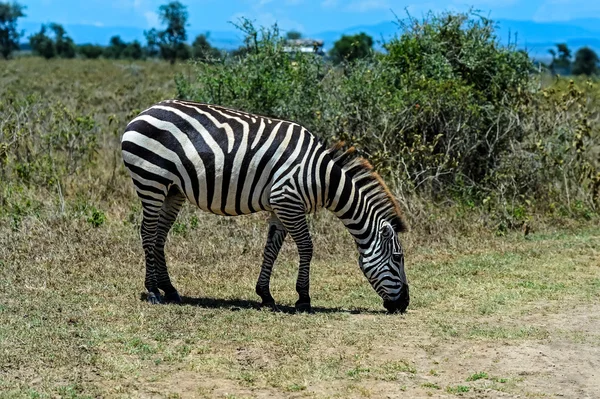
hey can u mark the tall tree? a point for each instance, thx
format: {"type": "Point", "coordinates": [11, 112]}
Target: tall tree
{"type": "Point", "coordinates": [115, 48]}
{"type": "Point", "coordinates": [65, 47]}
{"type": "Point", "coordinates": [561, 58]}
{"type": "Point", "coordinates": [9, 36]}
{"type": "Point", "coordinates": [202, 49]}
{"type": "Point", "coordinates": [41, 44]}
{"type": "Point", "coordinates": [586, 62]}
{"type": "Point", "coordinates": [350, 48]}
{"type": "Point", "coordinates": [170, 41]}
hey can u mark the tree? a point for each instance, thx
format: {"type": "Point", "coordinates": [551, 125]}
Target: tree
{"type": "Point", "coordinates": [171, 41]}
{"type": "Point", "coordinates": [133, 51]}
{"type": "Point", "coordinates": [61, 45]}
{"type": "Point", "coordinates": [65, 47]}
{"type": "Point", "coordinates": [586, 62]}
{"type": "Point", "coordinates": [351, 48]}
{"type": "Point", "coordinates": [41, 44]}
{"type": "Point", "coordinates": [293, 35]}
{"type": "Point", "coordinates": [152, 42]}
{"type": "Point", "coordinates": [9, 36]}
{"type": "Point", "coordinates": [90, 51]}
{"type": "Point", "coordinates": [115, 48]}
{"type": "Point", "coordinates": [563, 61]}
{"type": "Point", "coordinates": [203, 51]}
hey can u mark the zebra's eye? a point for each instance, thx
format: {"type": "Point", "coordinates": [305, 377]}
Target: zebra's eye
{"type": "Point", "coordinates": [397, 257]}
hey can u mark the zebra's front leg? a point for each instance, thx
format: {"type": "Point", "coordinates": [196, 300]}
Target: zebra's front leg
{"type": "Point", "coordinates": [298, 228]}
{"type": "Point", "coordinates": [275, 240]}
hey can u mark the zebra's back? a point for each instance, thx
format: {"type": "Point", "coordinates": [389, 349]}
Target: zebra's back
{"type": "Point", "coordinates": [224, 161]}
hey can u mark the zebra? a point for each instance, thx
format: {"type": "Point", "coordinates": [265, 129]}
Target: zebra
{"type": "Point", "coordinates": [228, 162]}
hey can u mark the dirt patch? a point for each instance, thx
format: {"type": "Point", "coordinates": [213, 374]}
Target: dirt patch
{"type": "Point", "coordinates": [559, 366]}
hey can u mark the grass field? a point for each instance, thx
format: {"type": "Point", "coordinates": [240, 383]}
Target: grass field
{"type": "Point", "coordinates": [490, 315]}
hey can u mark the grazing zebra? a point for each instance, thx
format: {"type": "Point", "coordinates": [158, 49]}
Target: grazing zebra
{"type": "Point", "coordinates": [233, 163]}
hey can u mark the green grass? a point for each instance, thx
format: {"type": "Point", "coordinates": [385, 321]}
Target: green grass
{"type": "Point", "coordinates": [457, 390]}
{"type": "Point", "coordinates": [478, 376]}
{"type": "Point", "coordinates": [77, 305]}
{"type": "Point", "coordinates": [75, 325]}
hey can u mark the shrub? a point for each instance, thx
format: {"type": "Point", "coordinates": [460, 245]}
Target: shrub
{"type": "Point", "coordinates": [448, 112]}
{"type": "Point", "coordinates": [90, 51]}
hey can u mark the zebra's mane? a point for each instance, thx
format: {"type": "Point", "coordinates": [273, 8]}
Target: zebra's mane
{"type": "Point", "coordinates": [360, 169]}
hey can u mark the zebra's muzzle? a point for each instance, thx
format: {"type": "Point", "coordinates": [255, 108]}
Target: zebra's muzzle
{"type": "Point", "coordinates": [401, 304]}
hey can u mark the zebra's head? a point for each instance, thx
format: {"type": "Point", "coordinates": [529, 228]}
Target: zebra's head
{"type": "Point", "coordinates": [383, 265]}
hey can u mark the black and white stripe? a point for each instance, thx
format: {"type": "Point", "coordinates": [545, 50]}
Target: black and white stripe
{"type": "Point", "coordinates": [228, 162]}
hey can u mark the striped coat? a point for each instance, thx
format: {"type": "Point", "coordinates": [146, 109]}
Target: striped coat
{"type": "Point", "coordinates": [229, 162]}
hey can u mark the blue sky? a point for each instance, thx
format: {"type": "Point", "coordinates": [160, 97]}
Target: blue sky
{"type": "Point", "coordinates": [304, 15]}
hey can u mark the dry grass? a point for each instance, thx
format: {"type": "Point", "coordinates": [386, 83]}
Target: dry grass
{"type": "Point", "coordinates": [75, 324]}
{"type": "Point", "coordinates": [520, 310]}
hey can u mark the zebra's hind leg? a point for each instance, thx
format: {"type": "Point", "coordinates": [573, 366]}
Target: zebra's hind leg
{"type": "Point", "coordinates": [295, 224]}
{"type": "Point", "coordinates": [168, 213]}
{"type": "Point", "coordinates": [275, 240]}
{"type": "Point", "coordinates": [151, 206]}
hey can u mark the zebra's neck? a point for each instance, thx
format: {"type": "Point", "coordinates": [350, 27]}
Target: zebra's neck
{"type": "Point", "coordinates": [361, 202]}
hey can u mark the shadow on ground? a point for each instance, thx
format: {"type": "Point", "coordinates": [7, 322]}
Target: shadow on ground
{"type": "Point", "coordinates": [239, 304]}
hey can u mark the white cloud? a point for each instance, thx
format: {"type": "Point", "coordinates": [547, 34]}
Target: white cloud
{"type": "Point", "coordinates": [92, 23]}
{"type": "Point", "coordinates": [369, 5]}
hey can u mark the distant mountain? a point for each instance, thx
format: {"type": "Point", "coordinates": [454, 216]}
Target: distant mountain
{"type": "Point", "coordinates": [535, 37]}
{"type": "Point", "coordinates": [538, 37]}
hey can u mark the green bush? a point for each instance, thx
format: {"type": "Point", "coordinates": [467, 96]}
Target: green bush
{"type": "Point", "coordinates": [447, 112]}
{"type": "Point", "coordinates": [43, 144]}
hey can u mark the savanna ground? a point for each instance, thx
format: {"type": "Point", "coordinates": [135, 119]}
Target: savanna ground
{"type": "Point", "coordinates": [491, 315]}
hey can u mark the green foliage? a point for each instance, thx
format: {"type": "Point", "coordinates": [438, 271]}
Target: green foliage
{"type": "Point", "coordinates": [118, 49]}
{"type": "Point", "coordinates": [59, 45]}
{"type": "Point", "coordinates": [457, 390]}
{"type": "Point", "coordinates": [352, 48]}
{"type": "Point", "coordinates": [562, 63]}
{"type": "Point", "coordinates": [171, 41]}
{"type": "Point", "coordinates": [203, 51]}
{"type": "Point", "coordinates": [42, 145]}
{"type": "Point", "coordinates": [266, 80]}
{"type": "Point", "coordinates": [65, 47]}
{"type": "Point", "coordinates": [293, 35]}
{"type": "Point", "coordinates": [115, 48]}
{"type": "Point", "coordinates": [586, 62]}
{"type": "Point", "coordinates": [447, 113]}
{"type": "Point", "coordinates": [478, 376]}
{"type": "Point", "coordinates": [9, 35]}
{"type": "Point", "coordinates": [90, 51]}
{"type": "Point", "coordinates": [42, 45]}
{"type": "Point", "coordinates": [133, 51]}
{"type": "Point", "coordinates": [97, 217]}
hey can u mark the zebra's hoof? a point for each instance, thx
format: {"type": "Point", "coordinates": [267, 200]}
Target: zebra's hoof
{"type": "Point", "coordinates": [154, 298]}
{"type": "Point", "coordinates": [172, 297]}
{"type": "Point", "coordinates": [304, 308]}
{"type": "Point", "coordinates": [271, 306]}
